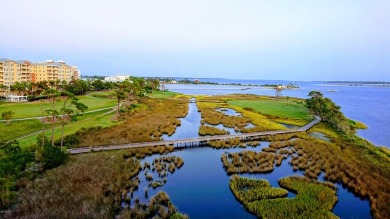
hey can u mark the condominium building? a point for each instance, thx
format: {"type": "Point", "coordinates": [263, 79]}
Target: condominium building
{"type": "Point", "coordinates": [13, 71]}
{"type": "Point", "coordinates": [118, 78]}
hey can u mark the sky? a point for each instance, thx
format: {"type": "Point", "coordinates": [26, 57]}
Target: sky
{"type": "Point", "coordinates": [246, 39]}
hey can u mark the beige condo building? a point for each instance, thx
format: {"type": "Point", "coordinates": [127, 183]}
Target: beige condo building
{"type": "Point", "coordinates": [26, 71]}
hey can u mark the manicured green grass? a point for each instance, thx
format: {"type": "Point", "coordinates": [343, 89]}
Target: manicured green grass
{"type": "Point", "coordinates": [33, 109]}
{"type": "Point", "coordinates": [160, 94]}
{"type": "Point", "coordinates": [17, 128]}
{"type": "Point", "coordinates": [103, 94]}
{"type": "Point", "coordinates": [279, 108]}
{"type": "Point", "coordinates": [88, 120]}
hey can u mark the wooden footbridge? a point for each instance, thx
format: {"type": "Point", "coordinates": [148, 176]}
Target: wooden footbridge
{"type": "Point", "coordinates": [193, 142]}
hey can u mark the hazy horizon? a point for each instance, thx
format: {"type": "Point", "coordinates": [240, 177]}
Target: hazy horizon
{"type": "Point", "coordinates": [301, 41]}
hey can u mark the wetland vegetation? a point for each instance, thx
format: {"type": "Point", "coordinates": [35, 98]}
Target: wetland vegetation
{"type": "Point", "coordinates": [94, 185]}
{"type": "Point", "coordinates": [248, 162]}
{"type": "Point", "coordinates": [313, 199]}
{"type": "Point", "coordinates": [87, 185]}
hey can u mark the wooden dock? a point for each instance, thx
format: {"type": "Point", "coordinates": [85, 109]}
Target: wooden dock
{"type": "Point", "coordinates": [194, 142]}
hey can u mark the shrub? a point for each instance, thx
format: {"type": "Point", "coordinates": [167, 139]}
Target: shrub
{"type": "Point", "coordinates": [53, 157]}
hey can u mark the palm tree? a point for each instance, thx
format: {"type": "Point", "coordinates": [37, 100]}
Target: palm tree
{"type": "Point", "coordinates": [41, 86]}
{"type": "Point", "coordinates": [24, 87]}
{"type": "Point", "coordinates": [19, 87]}
{"type": "Point", "coordinates": [30, 87]}
{"type": "Point", "coordinates": [63, 85]}
{"type": "Point", "coordinates": [52, 84]}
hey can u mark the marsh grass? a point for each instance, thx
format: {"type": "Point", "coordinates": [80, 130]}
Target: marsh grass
{"type": "Point", "coordinates": [160, 117]}
{"type": "Point", "coordinates": [87, 186]}
{"type": "Point", "coordinates": [313, 199]}
{"type": "Point", "coordinates": [248, 162]}
{"type": "Point", "coordinates": [160, 206]}
{"type": "Point", "coordinates": [211, 116]}
{"type": "Point", "coordinates": [231, 143]}
{"type": "Point", "coordinates": [361, 167]}
{"type": "Point", "coordinates": [208, 106]}
{"type": "Point", "coordinates": [249, 190]}
{"type": "Point", "coordinates": [210, 130]}
{"type": "Point", "coordinates": [349, 164]}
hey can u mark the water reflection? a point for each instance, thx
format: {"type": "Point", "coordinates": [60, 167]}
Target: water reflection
{"type": "Point", "coordinates": [320, 135]}
{"type": "Point", "coordinates": [229, 112]}
{"type": "Point", "coordinates": [201, 187]}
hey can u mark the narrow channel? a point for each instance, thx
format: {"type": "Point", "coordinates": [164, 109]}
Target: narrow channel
{"type": "Point", "coordinates": [201, 187]}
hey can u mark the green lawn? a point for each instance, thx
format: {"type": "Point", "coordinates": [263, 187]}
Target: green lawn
{"type": "Point", "coordinates": [32, 109]}
{"type": "Point", "coordinates": [88, 120]}
{"type": "Point", "coordinates": [160, 94]}
{"type": "Point", "coordinates": [17, 128]}
{"type": "Point", "coordinates": [280, 108]}
{"type": "Point", "coordinates": [102, 94]}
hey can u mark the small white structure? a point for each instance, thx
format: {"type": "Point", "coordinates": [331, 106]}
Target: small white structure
{"type": "Point", "coordinates": [14, 98]}
{"type": "Point", "coordinates": [118, 78]}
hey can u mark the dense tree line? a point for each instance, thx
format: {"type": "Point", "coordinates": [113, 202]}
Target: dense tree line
{"type": "Point", "coordinates": [77, 87]}
{"type": "Point", "coordinates": [329, 112]}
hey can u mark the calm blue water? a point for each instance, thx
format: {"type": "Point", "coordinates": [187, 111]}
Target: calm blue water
{"type": "Point", "coordinates": [200, 188]}
{"type": "Point", "coordinates": [370, 105]}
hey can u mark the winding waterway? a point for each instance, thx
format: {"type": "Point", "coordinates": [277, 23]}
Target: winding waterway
{"type": "Point", "coordinates": [370, 105]}
{"type": "Point", "coordinates": [200, 188]}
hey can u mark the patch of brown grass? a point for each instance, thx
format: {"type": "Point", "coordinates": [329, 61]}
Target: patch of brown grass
{"type": "Point", "coordinates": [210, 130]}
{"type": "Point", "coordinates": [88, 186]}
{"type": "Point", "coordinates": [160, 117]}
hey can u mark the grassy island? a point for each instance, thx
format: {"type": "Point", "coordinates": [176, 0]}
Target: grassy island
{"type": "Point", "coordinates": [313, 199]}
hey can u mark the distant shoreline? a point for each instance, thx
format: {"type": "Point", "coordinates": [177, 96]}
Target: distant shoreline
{"type": "Point", "coordinates": [355, 84]}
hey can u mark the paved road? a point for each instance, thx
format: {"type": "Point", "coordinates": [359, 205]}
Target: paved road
{"type": "Point", "coordinates": [192, 140]}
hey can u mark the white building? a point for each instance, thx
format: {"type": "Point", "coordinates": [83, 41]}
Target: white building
{"type": "Point", "coordinates": [118, 78]}
{"type": "Point", "coordinates": [15, 98]}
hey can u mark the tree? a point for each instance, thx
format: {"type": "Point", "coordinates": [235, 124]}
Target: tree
{"type": "Point", "coordinates": [329, 112]}
{"type": "Point", "coordinates": [70, 100]}
{"type": "Point", "coordinates": [132, 89]}
{"type": "Point", "coordinates": [7, 116]}
{"type": "Point", "coordinates": [43, 123]}
{"type": "Point", "coordinates": [3, 89]}
{"type": "Point", "coordinates": [42, 140]}
{"type": "Point", "coordinates": [98, 84]}
{"type": "Point", "coordinates": [52, 96]}
{"type": "Point", "coordinates": [316, 94]}
{"type": "Point", "coordinates": [153, 83]}
{"type": "Point", "coordinates": [19, 87]}
{"type": "Point", "coordinates": [120, 95]}
{"type": "Point", "coordinates": [41, 86]}
{"type": "Point", "coordinates": [77, 87]}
